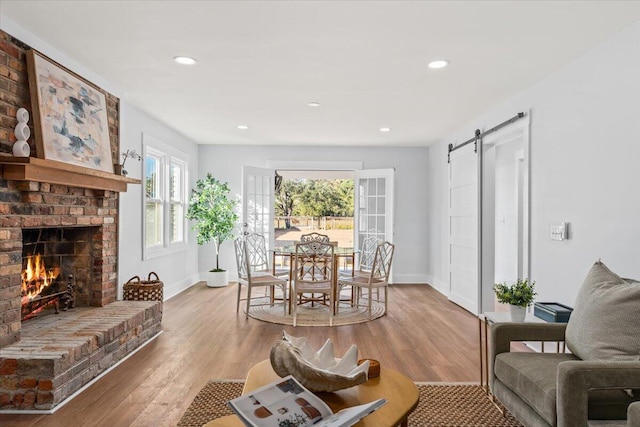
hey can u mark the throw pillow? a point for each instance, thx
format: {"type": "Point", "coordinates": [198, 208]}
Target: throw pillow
{"type": "Point", "coordinates": [604, 322]}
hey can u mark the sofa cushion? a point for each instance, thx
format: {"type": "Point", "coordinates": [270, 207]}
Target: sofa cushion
{"type": "Point", "coordinates": [532, 376]}
{"type": "Point", "coordinates": [604, 322]}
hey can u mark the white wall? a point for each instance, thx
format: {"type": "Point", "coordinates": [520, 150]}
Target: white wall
{"type": "Point", "coordinates": [410, 210]}
{"type": "Point", "coordinates": [585, 169]}
{"type": "Point", "coordinates": [437, 250]}
{"type": "Point", "coordinates": [177, 270]}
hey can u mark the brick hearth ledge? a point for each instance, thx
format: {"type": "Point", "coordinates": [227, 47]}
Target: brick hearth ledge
{"type": "Point", "coordinates": [58, 354]}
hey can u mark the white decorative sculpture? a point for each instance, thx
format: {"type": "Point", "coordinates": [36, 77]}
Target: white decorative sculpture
{"type": "Point", "coordinates": [317, 370]}
{"type": "Point", "coordinates": [22, 132]}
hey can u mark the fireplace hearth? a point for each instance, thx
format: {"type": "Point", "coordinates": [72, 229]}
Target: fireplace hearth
{"type": "Point", "coordinates": [58, 355]}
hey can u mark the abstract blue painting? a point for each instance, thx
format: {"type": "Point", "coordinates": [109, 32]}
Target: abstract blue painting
{"type": "Point", "coordinates": [71, 121]}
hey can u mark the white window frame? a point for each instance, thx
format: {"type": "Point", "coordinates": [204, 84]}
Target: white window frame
{"type": "Point", "coordinates": [183, 199]}
{"type": "Point", "coordinates": [167, 155]}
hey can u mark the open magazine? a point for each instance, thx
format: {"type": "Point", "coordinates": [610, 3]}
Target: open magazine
{"type": "Point", "coordinates": [286, 403]}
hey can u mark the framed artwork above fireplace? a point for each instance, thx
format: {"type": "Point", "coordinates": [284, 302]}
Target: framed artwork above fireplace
{"type": "Point", "coordinates": [70, 116]}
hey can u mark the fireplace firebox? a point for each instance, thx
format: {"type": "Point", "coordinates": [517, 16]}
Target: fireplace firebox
{"type": "Point", "coordinates": [57, 268]}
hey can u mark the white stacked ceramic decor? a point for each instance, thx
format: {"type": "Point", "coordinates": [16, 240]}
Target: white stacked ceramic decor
{"type": "Point", "coordinates": [22, 132]}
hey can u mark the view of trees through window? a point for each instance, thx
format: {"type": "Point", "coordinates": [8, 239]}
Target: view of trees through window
{"type": "Point", "coordinates": [321, 205]}
{"type": "Point", "coordinates": [315, 197]}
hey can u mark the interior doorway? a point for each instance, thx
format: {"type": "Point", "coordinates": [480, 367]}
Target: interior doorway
{"type": "Point", "coordinates": [505, 209]}
{"type": "Point", "coordinates": [373, 197]}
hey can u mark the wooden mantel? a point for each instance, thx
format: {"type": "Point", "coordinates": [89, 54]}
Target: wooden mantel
{"type": "Point", "coordinates": [54, 172]}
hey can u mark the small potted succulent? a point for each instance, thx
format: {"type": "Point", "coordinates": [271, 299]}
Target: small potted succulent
{"type": "Point", "coordinates": [216, 218]}
{"type": "Point", "coordinates": [519, 296]}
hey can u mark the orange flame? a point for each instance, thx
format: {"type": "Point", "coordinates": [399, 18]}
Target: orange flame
{"type": "Point", "coordinates": [36, 278]}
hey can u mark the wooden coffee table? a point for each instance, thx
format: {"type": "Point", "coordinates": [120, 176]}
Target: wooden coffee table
{"type": "Point", "coordinates": [401, 394]}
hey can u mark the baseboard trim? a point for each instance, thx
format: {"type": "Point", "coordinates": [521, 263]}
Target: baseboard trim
{"type": "Point", "coordinates": [439, 285]}
{"type": "Point", "coordinates": [408, 278]}
{"type": "Point", "coordinates": [177, 287]}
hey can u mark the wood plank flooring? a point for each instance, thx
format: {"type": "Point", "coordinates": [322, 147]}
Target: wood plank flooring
{"type": "Point", "coordinates": [424, 335]}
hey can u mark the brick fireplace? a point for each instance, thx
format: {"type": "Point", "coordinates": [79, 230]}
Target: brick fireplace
{"type": "Point", "coordinates": [46, 359]}
{"type": "Point", "coordinates": [71, 217]}
{"type": "Point", "coordinates": [30, 206]}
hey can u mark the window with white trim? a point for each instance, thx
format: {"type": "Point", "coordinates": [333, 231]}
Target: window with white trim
{"type": "Point", "coordinates": [165, 198]}
{"type": "Point", "coordinates": [177, 200]}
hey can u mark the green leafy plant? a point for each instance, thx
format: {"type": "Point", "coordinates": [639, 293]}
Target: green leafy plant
{"type": "Point", "coordinates": [520, 293]}
{"type": "Point", "coordinates": [214, 212]}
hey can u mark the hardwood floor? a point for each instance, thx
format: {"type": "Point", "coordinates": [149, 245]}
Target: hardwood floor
{"type": "Point", "coordinates": [424, 335]}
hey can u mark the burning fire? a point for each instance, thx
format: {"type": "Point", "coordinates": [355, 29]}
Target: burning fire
{"type": "Point", "coordinates": [36, 278]}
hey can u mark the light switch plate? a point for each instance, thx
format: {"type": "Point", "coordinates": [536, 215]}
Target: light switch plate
{"type": "Point", "coordinates": [559, 231]}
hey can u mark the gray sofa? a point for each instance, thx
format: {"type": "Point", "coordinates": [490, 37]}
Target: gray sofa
{"type": "Point", "coordinates": [598, 380]}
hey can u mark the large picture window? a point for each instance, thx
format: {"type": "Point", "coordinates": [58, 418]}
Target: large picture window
{"type": "Point", "coordinates": [165, 181]}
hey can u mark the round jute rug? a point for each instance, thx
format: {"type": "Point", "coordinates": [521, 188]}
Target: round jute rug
{"type": "Point", "coordinates": [318, 315]}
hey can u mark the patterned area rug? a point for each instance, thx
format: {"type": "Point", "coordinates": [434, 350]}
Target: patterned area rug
{"type": "Point", "coordinates": [318, 315]}
{"type": "Point", "coordinates": [440, 405]}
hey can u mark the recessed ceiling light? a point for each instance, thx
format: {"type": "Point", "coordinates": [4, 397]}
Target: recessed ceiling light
{"type": "Point", "coordinates": [385, 129]}
{"type": "Point", "coordinates": [184, 60]}
{"type": "Point", "coordinates": [313, 104]}
{"type": "Point", "coordinates": [243, 127]}
{"type": "Point", "coordinates": [440, 63]}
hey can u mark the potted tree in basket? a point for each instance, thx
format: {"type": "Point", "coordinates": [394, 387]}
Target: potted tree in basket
{"type": "Point", "coordinates": [519, 296]}
{"type": "Point", "coordinates": [216, 217]}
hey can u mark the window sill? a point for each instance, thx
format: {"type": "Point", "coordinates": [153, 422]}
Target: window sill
{"type": "Point", "coordinates": [157, 251]}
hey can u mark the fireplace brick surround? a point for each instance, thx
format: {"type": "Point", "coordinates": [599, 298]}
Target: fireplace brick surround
{"type": "Point", "coordinates": [45, 360]}
{"type": "Point", "coordinates": [41, 205]}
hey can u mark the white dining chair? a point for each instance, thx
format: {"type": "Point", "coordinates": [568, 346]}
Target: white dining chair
{"type": "Point", "coordinates": [377, 278]}
{"type": "Point", "coordinates": [313, 274]}
{"type": "Point", "coordinates": [259, 256]}
{"type": "Point", "coordinates": [247, 278]}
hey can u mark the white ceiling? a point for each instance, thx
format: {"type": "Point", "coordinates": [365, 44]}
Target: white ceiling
{"type": "Point", "coordinates": [365, 62]}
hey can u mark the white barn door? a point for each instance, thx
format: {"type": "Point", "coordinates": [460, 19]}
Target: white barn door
{"type": "Point", "coordinates": [464, 238]}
